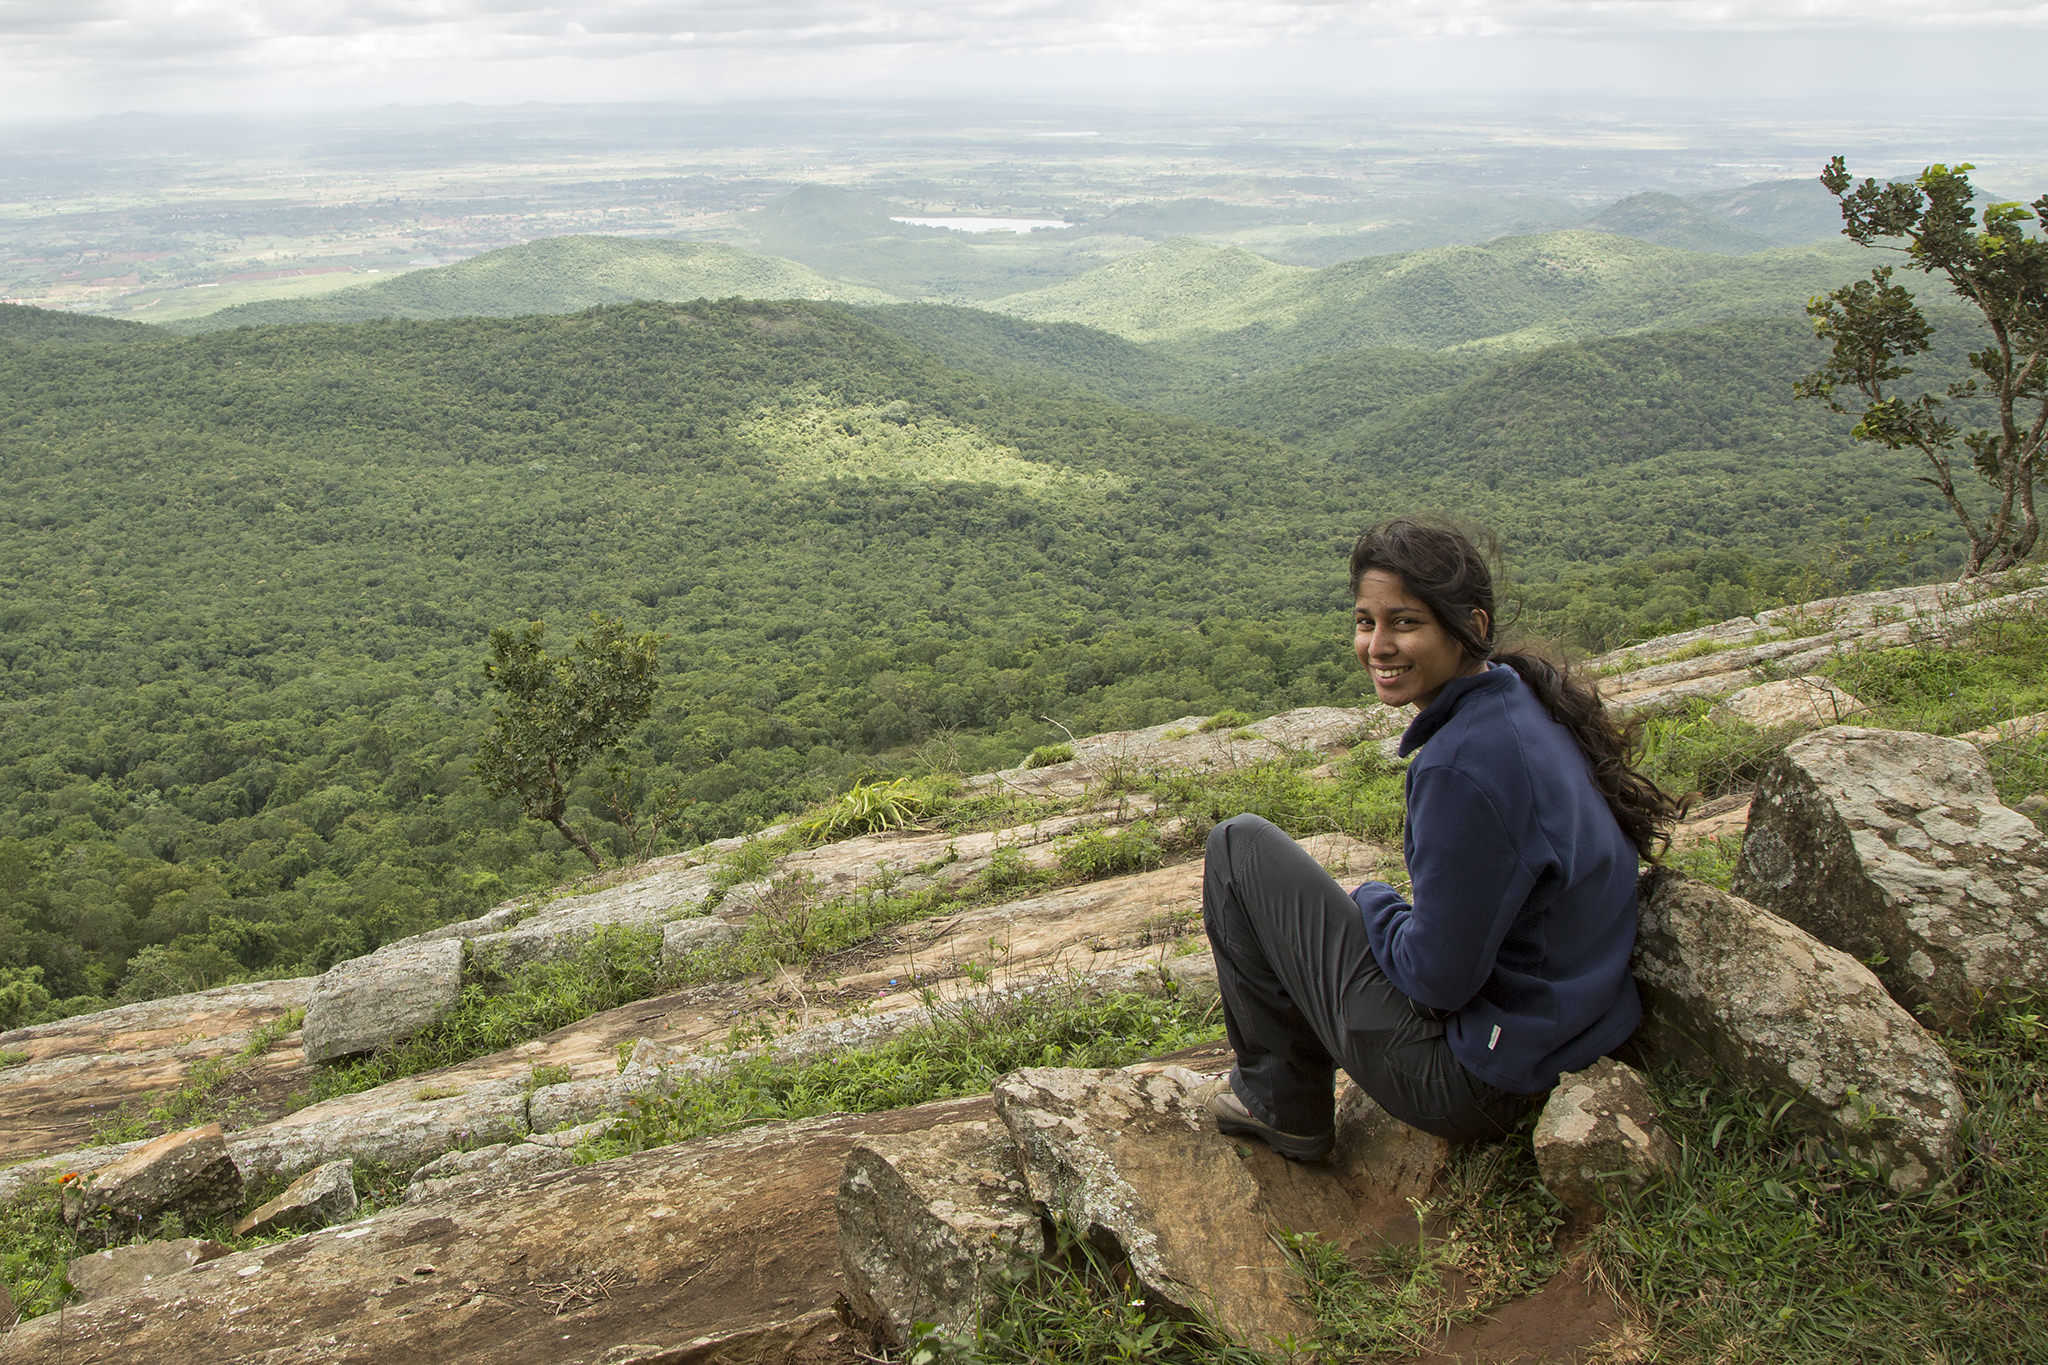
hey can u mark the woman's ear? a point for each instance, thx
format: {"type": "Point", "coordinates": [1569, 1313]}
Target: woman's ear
{"type": "Point", "coordinates": [1482, 624]}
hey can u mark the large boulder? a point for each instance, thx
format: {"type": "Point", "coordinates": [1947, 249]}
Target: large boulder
{"type": "Point", "coordinates": [1730, 986]}
{"type": "Point", "coordinates": [928, 1223]}
{"type": "Point", "coordinates": [1893, 847]}
{"type": "Point", "coordinates": [381, 998]}
{"type": "Point", "coordinates": [189, 1175]}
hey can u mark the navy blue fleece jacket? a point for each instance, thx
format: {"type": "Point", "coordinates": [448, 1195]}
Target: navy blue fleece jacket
{"type": "Point", "coordinates": [1525, 889]}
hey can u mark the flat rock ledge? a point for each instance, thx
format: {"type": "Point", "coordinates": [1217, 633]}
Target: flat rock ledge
{"type": "Point", "coordinates": [1729, 986]}
{"type": "Point", "coordinates": [1893, 847]}
{"type": "Point", "coordinates": [721, 1249]}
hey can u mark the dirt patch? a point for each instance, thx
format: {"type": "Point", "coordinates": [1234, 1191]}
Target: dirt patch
{"type": "Point", "coordinates": [1568, 1320]}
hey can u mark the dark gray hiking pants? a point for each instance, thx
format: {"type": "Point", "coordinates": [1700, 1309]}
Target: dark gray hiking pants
{"type": "Point", "coordinates": [1302, 995]}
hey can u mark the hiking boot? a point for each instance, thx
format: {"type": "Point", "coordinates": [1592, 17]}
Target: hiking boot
{"type": "Point", "coordinates": [1234, 1120]}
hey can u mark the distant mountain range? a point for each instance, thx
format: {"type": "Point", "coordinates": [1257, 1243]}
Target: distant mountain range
{"type": "Point", "coordinates": [557, 275]}
{"type": "Point", "coordinates": [1511, 268]}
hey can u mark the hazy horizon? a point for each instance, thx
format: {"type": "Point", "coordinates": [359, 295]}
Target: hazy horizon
{"type": "Point", "coordinates": [67, 59]}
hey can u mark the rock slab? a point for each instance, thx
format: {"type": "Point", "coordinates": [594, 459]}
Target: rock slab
{"type": "Point", "coordinates": [119, 1269]}
{"type": "Point", "coordinates": [1893, 847]}
{"type": "Point", "coordinates": [1803, 703]}
{"type": "Point", "coordinates": [722, 1249]}
{"type": "Point", "coordinates": [928, 1223]}
{"type": "Point", "coordinates": [326, 1194]}
{"type": "Point", "coordinates": [1730, 986]}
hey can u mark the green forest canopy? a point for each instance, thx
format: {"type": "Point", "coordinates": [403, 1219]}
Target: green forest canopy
{"type": "Point", "coordinates": [249, 575]}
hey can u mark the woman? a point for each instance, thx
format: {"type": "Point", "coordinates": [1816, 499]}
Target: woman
{"type": "Point", "coordinates": [1457, 1012]}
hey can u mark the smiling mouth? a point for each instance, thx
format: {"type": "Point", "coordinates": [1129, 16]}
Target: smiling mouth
{"type": "Point", "coordinates": [1389, 674]}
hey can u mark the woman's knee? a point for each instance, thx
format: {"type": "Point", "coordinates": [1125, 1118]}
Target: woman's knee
{"type": "Point", "coordinates": [1235, 830]}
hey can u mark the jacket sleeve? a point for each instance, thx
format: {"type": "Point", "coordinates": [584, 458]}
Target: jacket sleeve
{"type": "Point", "coordinates": [1469, 881]}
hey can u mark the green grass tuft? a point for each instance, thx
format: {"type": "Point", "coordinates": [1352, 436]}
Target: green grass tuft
{"type": "Point", "coordinates": [965, 1048]}
{"type": "Point", "coordinates": [1074, 1304]}
{"type": "Point", "coordinates": [1769, 1246]}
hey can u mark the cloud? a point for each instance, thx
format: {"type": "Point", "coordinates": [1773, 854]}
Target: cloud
{"type": "Point", "coordinates": [111, 51]}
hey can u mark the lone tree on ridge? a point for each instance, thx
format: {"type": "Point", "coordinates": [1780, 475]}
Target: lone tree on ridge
{"type": "Point", "coordinates": [558, 710]}
{"type": "Point", "coordinates": [1875, 325]}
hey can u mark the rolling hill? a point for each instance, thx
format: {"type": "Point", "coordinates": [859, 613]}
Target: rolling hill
{"type": "Point", "coordinates": [1514, 294]}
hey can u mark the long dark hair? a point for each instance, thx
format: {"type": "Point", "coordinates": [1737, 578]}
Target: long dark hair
{"type": "Point", "coordinates": [1442, 566]}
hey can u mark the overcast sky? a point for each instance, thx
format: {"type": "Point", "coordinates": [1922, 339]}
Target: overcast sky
{"type": "Point", "coordinates": [67, 57]}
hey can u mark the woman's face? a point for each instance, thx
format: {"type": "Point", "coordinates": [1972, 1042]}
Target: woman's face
{"type": "Point", "coordinates": [1402, 645]}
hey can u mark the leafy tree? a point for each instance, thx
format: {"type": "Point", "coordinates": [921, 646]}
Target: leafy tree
{"type": "Point", "coordinates": [1875, 325]}
{"type": "Point", "coordinates": [559, 710]}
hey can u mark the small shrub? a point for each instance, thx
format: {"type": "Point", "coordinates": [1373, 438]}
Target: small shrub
{"type": "Point", "coordinates": [751, 861]}
{"type": "Point", "coordinates": [1226, 720]}
{"type": "Point", "coordinates": [1007, 870]}
{"type": "Point", "coordinates": [1045, 755]}
{"type": "Point", "coordinates": [11, 1056]}
{"type": "Point", "coordinates": [1099, 853]}
{"type": "Point", "coordinates": [546, 1074]}
{"type": "Point", "coordinates": [1711, 860]}
{"type": "Point", "coordinates": [867, 808]}
{"type": "Point", "coordinates": [2019, 767]}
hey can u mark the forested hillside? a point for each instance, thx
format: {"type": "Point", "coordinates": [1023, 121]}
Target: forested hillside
{"type": "Point", "coordinates": [249, 574]}
{"type": "Point", "coordinates": [249, 577]}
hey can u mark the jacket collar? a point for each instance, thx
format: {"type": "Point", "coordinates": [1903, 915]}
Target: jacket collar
{"type": "Point", "coordinates": [1493, 678]}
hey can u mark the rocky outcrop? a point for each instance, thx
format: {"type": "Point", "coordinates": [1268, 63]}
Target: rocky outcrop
{"type": "Point", "coordinates": [720, 1249]}
{"type": "Point", "coordinates": [1598, 1131]}
{"type": "Point", "coordinates": [382, 998]}
{"type": "Point", "coordinates": [326, 1194]}
{"type": "Point", "coordinates": [929, 1224]}
{"type": "Point", "coordinates": [79, 1071]}
{"type": "Point", "coordinates": [1135, 1167]}
{"type": "Point", "coordinates": [189, 1175]}
{"type": "Point", "coordinates": [1732, 987]}
{"type": "Point", "coordinates": [412, 1123]}
{"type": "Point", "coordinates": [1893, 847]}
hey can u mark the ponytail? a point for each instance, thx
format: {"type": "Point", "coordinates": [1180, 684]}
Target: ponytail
{"type": "Point", "coordinates": [1642, 808]}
